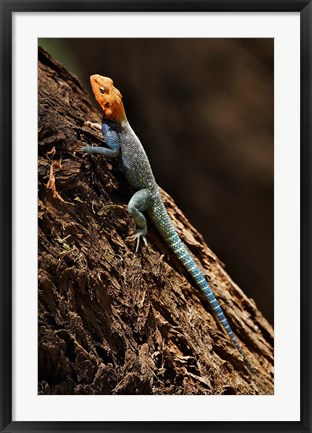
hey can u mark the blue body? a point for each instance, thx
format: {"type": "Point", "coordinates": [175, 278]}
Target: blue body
{"type": "Point", "coordinates": [121, 139]}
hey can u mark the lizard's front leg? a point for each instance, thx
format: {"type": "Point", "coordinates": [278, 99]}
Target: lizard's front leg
{"type": "Point", "coordinates": [139, 202]}
{"type": "Point", "coordinates": [112, 141]}
{"type": "Point", "coordinates": [105, 151]}
{"type": "Point", "coordinates": [94, 125]}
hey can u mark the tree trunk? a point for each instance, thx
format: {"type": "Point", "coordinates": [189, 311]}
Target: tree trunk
{"type": "Point", "coordinates": [112, 321]}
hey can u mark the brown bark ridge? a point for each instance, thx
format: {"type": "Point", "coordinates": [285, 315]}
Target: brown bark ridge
{"type": "Point", "coordinates": [112, 321]}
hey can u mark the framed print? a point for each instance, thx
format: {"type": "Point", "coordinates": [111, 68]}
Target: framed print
{"type": "Point", "coordinates": [132, 134]}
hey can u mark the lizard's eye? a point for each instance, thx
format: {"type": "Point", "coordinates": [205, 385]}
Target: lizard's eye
{"type": "Point", "coordinates": [102, 90]}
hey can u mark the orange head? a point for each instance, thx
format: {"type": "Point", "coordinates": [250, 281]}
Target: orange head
{"type": "Point", "coordinates": [108, 97]}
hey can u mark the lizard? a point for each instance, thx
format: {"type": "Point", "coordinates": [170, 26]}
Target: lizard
{"type": "Point", "coordinates": [122, 142]}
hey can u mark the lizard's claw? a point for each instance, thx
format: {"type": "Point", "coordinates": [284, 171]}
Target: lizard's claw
{"type": "Point", "coordinates": [137, 237]}
{"type": "Point", "coordinates": [93, 125]}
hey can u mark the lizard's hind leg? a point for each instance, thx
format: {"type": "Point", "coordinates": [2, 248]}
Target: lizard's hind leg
{"type": "Point", "coordinates": [139, 202]}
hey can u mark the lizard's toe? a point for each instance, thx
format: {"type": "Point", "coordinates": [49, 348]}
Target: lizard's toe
{"type": "Point", "coordinates": [137, 237]}
{"type": "Point", "coordinates": [93, 125]}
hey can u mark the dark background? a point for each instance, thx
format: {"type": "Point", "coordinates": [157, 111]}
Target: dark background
{"type": "Point", "coordinates": [204, 111]}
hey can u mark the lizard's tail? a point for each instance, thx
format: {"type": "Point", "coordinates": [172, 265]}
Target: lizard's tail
{"type": "Point", "coordinates": [164, 225]}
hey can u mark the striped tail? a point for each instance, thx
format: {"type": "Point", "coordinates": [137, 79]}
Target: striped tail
{"type": "Point", "coordinates": [164, 225]}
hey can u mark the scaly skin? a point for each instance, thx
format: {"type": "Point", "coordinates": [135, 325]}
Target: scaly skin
{"type": "Point", "coordinates": [121, 139]}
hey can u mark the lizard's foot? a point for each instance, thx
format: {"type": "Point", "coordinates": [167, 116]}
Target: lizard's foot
{"type": "Point", "coordinates": [87, 149]}
{"type": "Point", "coordinates": [94, 125]}
{"type": "Point", "coordinates": [140, 233]}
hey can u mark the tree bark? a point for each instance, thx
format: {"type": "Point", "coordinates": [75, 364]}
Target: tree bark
{"type": "Point", "coordinates": [112, 321]}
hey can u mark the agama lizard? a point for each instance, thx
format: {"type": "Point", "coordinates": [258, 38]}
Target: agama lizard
{"type": "Point", "coordinates": [122, 141]}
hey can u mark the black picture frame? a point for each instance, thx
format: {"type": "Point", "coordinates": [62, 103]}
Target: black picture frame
{"type": "Point", "coordinates": [7, 9]}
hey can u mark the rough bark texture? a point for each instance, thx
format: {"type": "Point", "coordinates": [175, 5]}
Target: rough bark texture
{"type": "Point", "coordinates": [112, 321]}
